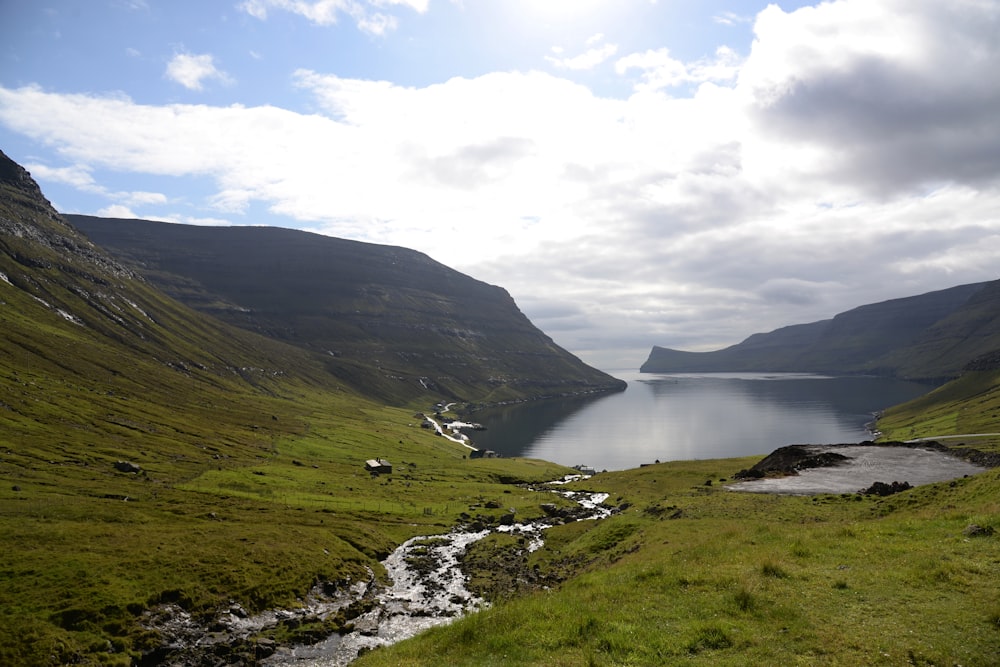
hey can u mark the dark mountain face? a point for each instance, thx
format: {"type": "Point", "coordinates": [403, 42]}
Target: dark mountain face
{"type": "Point", "coordinates": [931, 336]}
{"type": "Point", "coordinates": [421, 326]}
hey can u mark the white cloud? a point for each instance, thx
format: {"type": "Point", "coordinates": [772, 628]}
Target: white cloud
{"type": "Point", "coordinates": [365, 13]}
{"type": "Point", "coordinates": [853, 155]}
{"type": "Point", "coordinates": [76, 176]}
{"type": "Point", "coordinates": [144, 198]}
{"type": "Point", "coordinates": [191, 71]}
{"type": "Point", "coordinates": [203, 221]}
{"type": "Point", "coordinates": [896, 94]}
{"type": "Point", "coordinates": [81, 178]}
{"type": "Point", "coordinates": [589, 59]}
{"type": "Point", "coordinates": [117, 211]}
{"type": "Point", "coordinates": [731, 18]}
{"type": "Point", "coordinates": [660, 71]}
{"type": "Point", "coordinates": [135, 5]}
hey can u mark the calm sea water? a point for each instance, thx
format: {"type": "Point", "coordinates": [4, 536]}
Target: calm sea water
{"type": "Point", "coordinates": [692, 416]}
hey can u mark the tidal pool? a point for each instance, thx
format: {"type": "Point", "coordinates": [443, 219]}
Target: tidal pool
{"type": "Point", "coordinates": [865, 465]}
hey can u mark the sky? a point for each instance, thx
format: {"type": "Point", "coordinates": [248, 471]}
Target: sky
{"type": "Point", "coordinates": [633, 172]}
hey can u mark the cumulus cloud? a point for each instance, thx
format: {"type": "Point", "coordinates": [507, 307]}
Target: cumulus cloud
{"type": "Point", "coordinates": [117, 211]}
{"type": "Point", "coordinates": [896, 95]}
{"type": "Point", "coordinates": [851, 156]}
{"type": "Point", "coordinates": [191, 71]}
{"type": "Point", "coordinates": [658, 70]}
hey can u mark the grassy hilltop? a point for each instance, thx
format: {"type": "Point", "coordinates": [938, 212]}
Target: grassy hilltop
{"type": "Point", "coordinates": [246, 485]}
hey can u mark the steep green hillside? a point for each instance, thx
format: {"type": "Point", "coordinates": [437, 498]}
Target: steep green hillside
{"type": "Point", "coordinates": [969, 333]}
{"type": "Point", "coordinates": [151, 454]}
{"type": "Point", "coordinates": [245, 487]}
{"type": "Point", "coordinates": [967, 406]}
{"type": "Point", "coordinates": [930, 336]}
{"type": "Point", "coordinates": [429, 329]}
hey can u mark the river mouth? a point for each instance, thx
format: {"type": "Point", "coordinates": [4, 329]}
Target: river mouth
{"type": "Point", "coordinates": [861, 467]}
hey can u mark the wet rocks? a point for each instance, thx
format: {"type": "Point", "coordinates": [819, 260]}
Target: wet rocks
{"type": "Point", "coordinates": [337, 622]}
{"type": "Point", "coordinates": [428, 582]}
{"type": "Point", "coordinates": [234, 636]}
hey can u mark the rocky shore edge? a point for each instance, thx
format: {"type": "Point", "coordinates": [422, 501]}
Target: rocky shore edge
{"type": "Point", "coordinates": [791, 459]}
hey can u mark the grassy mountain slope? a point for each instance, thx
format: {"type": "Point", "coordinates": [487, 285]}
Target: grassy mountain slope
{"type": "Point", "coordinates": [930, 336]}
{"type": "Point", "coordinates": [251, 489]}
{"type": "Point", "coordinates": [967, 334]}
{"type": "Point", "coordinates": [969, 404]}
{"type": "Point", "coordinates": [423, 325]}
{"type": "Point", "coordinates": [249, 453]}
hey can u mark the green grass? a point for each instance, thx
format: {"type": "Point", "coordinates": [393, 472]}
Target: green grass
{"type": "Point", "coordinates": [741, 579]}
{"type": "Point", "coordinates": [251, 451]}
{"type": "Point", "coordinates": [259, 520]}
{"type": "Point", "coordinates": [252, 489]}
{"type": "Point", "coordinates": [969, 404]}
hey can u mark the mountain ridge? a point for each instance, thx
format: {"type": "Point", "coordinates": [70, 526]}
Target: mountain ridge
{"type": "Point", "coordinates": [419, 322]}
{"type": "Point", "coordinates": [929, 337]}
{"type": "Point", "coordinates": [159, 461]}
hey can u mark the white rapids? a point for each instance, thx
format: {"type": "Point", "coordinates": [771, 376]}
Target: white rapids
{"type": "Point", "coordinates": [428, 589]}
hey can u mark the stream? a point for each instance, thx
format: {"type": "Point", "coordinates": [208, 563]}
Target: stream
{"type": "Point", "coordinates": [428, 587]}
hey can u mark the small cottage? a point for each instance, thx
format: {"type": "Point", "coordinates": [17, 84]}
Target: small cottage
{"type": "Point", "coordinates": [482, 454]}
{"type": "Point", "coordinates": [378, 466]}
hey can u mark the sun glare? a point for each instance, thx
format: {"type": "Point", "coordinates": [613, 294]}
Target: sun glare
{"type": "Point", "coordinates": [561, 10]}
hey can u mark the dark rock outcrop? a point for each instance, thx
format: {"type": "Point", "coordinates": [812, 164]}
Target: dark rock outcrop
{"type": "Point", "coordinates": [127, 467]}
{"type": "Point", "coordinates": [883, 489]}
{"type": "Point", "coordinates": [789, 460]}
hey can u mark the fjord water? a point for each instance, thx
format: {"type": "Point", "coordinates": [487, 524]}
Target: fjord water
{"type": "Point", "coordinates": [692, 416]}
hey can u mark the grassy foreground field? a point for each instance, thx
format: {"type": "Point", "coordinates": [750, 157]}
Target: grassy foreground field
{"type": "Point", "coordinates": [255, 515]}
{"type": "Point", "coordinates": [688, 573]}
{"type": "Point", "coordinates": [694, 574]}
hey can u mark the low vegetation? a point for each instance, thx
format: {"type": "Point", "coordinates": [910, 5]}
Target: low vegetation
{"type": "Point", "coordinates": [968, 407]}
{"type": "Point", "coordinates": [151, 455]}
{"type": "Point", "coordinates": [695, 574]}
{"type": "Point", "coordinates": [255, 515]}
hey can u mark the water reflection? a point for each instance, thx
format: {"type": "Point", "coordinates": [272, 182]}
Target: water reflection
{"type": "Point", "coordinates": [689, 416]}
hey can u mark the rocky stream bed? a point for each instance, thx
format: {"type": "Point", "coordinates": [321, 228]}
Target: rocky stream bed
{"type": "Point", "coordinates": [338, 621]}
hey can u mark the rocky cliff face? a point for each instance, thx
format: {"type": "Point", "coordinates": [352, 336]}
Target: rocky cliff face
{"type": "Point", "coordinates": [27, 216]}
